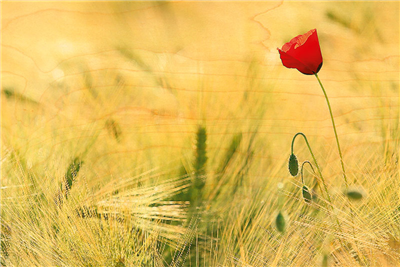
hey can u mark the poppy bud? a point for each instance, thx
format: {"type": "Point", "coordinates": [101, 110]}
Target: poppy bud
{"type": "Point", "coordinates": [280, 222]}
{"type": "Point", "coordinates": [307, 194]}
{"type": "Point", "coordinates": [293, 165]}
{"type": "Point", "coordinates": [354, 194]}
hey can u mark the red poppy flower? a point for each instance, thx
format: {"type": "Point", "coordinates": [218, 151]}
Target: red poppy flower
{"type": "Point", "coordinates": [303, 53]}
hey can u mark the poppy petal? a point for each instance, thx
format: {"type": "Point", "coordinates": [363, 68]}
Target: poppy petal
{"type": "Point", "coordinates": [293, 63]}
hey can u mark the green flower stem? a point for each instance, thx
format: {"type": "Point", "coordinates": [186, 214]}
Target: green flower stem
{"type": "Point", "coordinates": [301, 171]}
{"type": "Point", "coordinates": [320, 174]}
{"type": "Point", "coordinates": [316, 163]}
{"type": "Point", "coordinates": [334, 129]}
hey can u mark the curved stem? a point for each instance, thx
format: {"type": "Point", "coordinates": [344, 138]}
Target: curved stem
{"type": "Point", "coordinates": [319, 172]}
{"type": "Point", "coordinates": [334, 129]}
{"type": "Point", "coordinates": [301, 171]}
{"type": "Point", "coordinates": [316, 163]}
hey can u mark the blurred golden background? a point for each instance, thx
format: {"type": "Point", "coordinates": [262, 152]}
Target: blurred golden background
{"type": "Point", "coordinates": [185, 59]}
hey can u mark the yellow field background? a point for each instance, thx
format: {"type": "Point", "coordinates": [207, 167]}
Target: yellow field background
{"type": "Point", "coordinates": [122, 88]}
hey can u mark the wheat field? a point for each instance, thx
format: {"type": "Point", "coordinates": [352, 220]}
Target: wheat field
{"type": "Point", "coordinates": [154, 133]}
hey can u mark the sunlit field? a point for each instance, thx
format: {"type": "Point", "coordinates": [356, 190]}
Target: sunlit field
{"type": "Point", "coordinates": [159, 134]}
